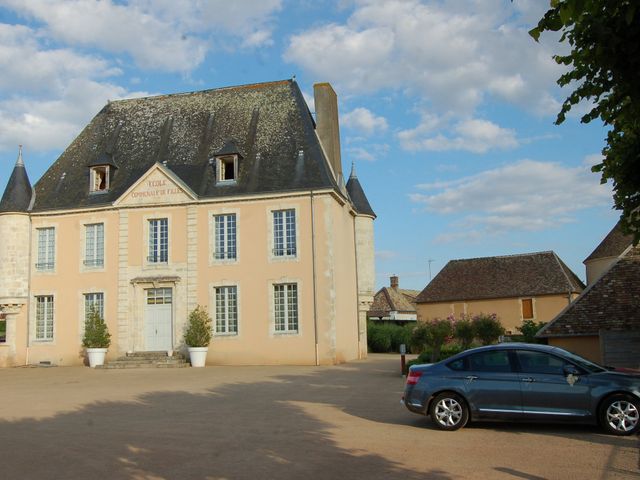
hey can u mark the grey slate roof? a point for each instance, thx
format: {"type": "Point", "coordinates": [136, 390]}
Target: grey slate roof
{"type": "Point", "coordinates": [612, 245]}
{"type": "Point", "coordinates": [18, 193]}
{"type": "Point", "coordinates": [611, 303]}
{"type": "Point", "coordinates": [356, 193]}
{"type": "Point", "coordinates": [525, 275]}
{"type": "Point", "coordinates": [270, 124]}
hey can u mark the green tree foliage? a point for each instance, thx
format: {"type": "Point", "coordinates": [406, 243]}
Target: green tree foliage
{"type": "Point", "coordinates": [96, 333]}
{"type": "Point", "coordinates": [604, 62]}
{"type": "Point", "coordinates": [198, 333]}
{"type": "Point", "coordinates": [529, 328]}
{"type": "Point", "coordinates": [487, 328]}
{"type": "Point", "coordinates": [464, 332]}
{"type": "Point", "coordinates": [431, 335]}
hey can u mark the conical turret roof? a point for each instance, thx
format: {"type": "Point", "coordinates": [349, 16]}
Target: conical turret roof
{"type": "Point", "coordinates": [17, 196]}
{"type": "Point", "coordinates": [356, 193]}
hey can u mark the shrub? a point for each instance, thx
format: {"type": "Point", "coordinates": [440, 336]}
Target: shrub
{"type": "Point", "coordinates": [96, 333]}
{"type": "Point", "coordinates": [447, 350]}
{"type": "Point", "coordinates": [528, 329]}
{"type": "Point", "coordinates": [431, 335]}
{"type": "Point", "coordinates": [464, 332]}
{"type": "Point", "coordinates": [378, 338]}
{"type": "Point", "coordinates": [198, 332]}
{"type": "Point", "coordinates": [487, 328]}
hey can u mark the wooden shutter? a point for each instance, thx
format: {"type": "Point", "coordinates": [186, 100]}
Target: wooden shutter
{"type": "Point", "coordinates": [527, 308]}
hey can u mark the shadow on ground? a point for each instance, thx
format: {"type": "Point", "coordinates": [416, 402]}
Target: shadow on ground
{"type": "Point", "coordinates": [243, 430]}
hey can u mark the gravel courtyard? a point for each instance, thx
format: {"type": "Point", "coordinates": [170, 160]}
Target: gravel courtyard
{"type": "Point", "coordinates": [271, 423]}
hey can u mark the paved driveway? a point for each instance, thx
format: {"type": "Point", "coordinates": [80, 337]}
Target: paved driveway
{"type": "Point", "coordinates": [342, 422]}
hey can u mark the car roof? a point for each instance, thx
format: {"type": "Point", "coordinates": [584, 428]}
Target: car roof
{"type": "Point", "coordinates": [512, 345]}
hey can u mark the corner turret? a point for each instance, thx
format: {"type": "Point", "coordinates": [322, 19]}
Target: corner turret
{"type": "Point", "coordinates": [18, 196]}
{"type": "Point", "coordinates": [365, 254]}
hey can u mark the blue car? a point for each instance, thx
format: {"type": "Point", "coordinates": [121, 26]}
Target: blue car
{"type": "Point", "coordinates": [520, 381]}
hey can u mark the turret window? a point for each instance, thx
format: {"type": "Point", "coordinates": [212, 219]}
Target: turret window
{"type": "Point", "coordinates": [99, 179]}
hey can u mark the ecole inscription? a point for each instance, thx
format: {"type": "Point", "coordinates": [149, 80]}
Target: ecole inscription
{"type": "Point", "coordinates": [157, 188]}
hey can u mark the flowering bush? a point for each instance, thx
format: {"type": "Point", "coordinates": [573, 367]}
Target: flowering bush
{"type": "Point", "coordinates": [431, 335]}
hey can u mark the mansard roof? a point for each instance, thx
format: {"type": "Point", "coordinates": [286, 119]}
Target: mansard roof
{"type": "Point", "coordinates": [18, 193]}
{"type": "Point", "coordinates": [268, 123]}
{"type": "Point", "coordinates": [356, 193]}
{"type": "Point", "coordinates": [524, 275]}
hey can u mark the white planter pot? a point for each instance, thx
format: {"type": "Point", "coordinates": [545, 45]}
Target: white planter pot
{"type": "Point", "coordinates": [96, 356]}
{"type": "Point", "coordinates": [198, 356]}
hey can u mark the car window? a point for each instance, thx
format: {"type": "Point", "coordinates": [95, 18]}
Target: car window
{"type": "Point", "coordinates": [458, 365]}
{"type": "Point", "coordinates": [490, 361]}
{"type": "Point", "coordinates": [540, 362]}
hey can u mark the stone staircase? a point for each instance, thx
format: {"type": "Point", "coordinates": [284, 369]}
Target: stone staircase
{"type": "Point", "coordinates": [148, 360]}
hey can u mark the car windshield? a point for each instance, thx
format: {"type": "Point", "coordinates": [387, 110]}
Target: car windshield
{"type": "Point", "coordinates": [583, 362]}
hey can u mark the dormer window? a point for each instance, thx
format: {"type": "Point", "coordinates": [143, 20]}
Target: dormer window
{"type": "Point", "coordinates": [227, 163]}
{"type": "Point", "coordinates": [99, 178]}
{"type": "Point", "coordinates": [227, 168]}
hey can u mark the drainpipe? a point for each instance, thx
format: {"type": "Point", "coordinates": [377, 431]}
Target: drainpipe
{"type": "Point", "coordinates": [313, 266]}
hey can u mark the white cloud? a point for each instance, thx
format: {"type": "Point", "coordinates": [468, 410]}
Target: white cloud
{"type": "Point", "coordinates": [53, 123]}
{"type": "Point", "coordinates": [364, 121]}
{"type": "Point", "coordinates": [26, 67]}
{"type": "Point", "coordinates": [164, 35]}
{"type": "Point", "coordinates": [527, 195]}
{"type": "Point", "coordinates": [593, 159]}
{"type": "Point", "coordinates": [453, 54]}
{"type": "Point", "coordinates": [473, 135]}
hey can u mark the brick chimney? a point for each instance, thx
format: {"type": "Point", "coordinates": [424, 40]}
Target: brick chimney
{"type": "Point", "coordinates": [327, 126]}
{"type": "Point", "coordinates": [394, 281]}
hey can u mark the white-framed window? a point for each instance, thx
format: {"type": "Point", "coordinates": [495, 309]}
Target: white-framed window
{"type": "Point", "coordinates": [225, 236]}
{"type": "Point", "coordinates": [44, 317]}
{"type": "Point", "coordinates": [285, 302]}
{"type": "Point", "coordinates": [94, 245]}
{"type": "Point", "coordinates": [226, 310]}
{"type": "Point", "coordinates": [99, 179]}
{"type": "Point", "coordinates": [284, 233]}
{"type": "Point", "coordinates": [227, 168]}
{"type": "Point", "coordinates": [94, 300]}
{"type": "Point", "coordinates": [158, 240]}
{"type": "Point", "coordinates": [46, 248]}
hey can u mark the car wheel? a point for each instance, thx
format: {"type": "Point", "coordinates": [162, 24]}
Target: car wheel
{"type": "Point", "coordinates": [449, 411]}
{"type": "Point", "coordinates": [620, 414]}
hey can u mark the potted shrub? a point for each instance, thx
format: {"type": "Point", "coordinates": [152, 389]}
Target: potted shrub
{"type": "Point", "coordinates": [96, 338]}
{"type": "Point", "coordinates": [198, 335]}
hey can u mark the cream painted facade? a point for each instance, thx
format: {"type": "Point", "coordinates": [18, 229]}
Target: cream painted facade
{"type": "Point", "coordinates": [329, 331]}
{"type": "Point", "coordinates": [508, 310]}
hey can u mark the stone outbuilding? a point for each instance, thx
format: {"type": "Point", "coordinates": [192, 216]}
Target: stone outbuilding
{"type": "Point", "coordinates": [531, 286]}
{"type": "Point", "coordinates": [394, 304]}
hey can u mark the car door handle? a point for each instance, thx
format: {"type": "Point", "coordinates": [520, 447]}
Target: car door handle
{"type": "Point", "coordinates": [527, 379]}
{"type": "Point", "coordinates": [471, 377]}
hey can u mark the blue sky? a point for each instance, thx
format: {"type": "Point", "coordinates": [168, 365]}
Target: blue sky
{"type": "Point", "coordinates": [447, 107]}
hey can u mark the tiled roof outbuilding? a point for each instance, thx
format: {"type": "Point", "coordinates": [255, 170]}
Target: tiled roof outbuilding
{"type": "Point", "coordinates": [611, 303]}
{"type": "Point", "coordinates": [525, 275]}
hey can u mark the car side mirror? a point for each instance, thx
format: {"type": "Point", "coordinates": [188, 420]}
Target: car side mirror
{"type": "Point", "coordinates": [569, 369]}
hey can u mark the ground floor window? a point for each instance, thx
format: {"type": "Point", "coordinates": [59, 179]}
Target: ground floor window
{"type": "Point", "coordinates": [226, 310]}
{"type": "Point", "coordinates": [285, 300]}
{"type": "Point", "coordinates": [44, 317]}
{"type": "Point", "coordinates": [94, 301]}
{"type": "Point", "coordinates": [3, 328]}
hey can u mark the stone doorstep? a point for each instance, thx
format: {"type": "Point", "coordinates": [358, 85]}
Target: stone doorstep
{"type": "Point", "coordinates": [147, 360]}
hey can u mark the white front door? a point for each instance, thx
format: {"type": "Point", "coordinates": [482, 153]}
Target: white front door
{"type": "Point", "coordinates": [157, 319]}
